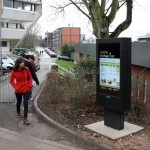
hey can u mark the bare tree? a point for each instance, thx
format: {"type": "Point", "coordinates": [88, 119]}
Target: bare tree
{"type": "Point", "coordinates": [101, 14]}
{"type": "Point", "coordinates": [31, 39]}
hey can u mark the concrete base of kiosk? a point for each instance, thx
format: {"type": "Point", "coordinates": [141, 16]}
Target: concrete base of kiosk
{"type": "Point", "coordinates": [111, 133]}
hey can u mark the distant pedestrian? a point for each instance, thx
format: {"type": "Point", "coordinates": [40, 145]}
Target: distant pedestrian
{"type": "Point", "coordinates": [21, 80]}
{"type": "Point", "coordinates": [42, 52]}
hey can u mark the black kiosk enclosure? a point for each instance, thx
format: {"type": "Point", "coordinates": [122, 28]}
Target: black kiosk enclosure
{"type": "Point", "coordinates": [113, 79]}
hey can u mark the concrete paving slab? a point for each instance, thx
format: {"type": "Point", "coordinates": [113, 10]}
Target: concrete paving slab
{"type": "Point", "coordinates": [10, 145]}
{"type": "Point", "coordinates": [40, 131]}
{"type": "Point", "coordinates": [10, 140]}
{"type": "Point", "coordinates": [111, 133]}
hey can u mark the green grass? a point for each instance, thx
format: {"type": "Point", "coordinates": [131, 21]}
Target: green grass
{"type": "Point", "coordinates": [65, 64]}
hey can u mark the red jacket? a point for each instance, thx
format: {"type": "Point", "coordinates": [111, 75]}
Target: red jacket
{"type": "Point", "coordinates": [21, 80]}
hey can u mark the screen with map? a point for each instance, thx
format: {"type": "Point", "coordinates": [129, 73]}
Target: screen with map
{"type": "Point", "coordinates": [109, 70]}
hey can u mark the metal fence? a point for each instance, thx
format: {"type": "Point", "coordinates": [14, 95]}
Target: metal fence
{"type": "Point", "coordinates": [140, 94]}
{"type": "Point", "coordinates": [6, 91]}
{"type": "Point", "coordinates": [140, 52]}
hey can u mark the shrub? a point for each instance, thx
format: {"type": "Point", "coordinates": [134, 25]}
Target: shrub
{"type": "Point", "coordinates": [55, 88]}
{"type": "Point", "coordinates": [67, 50]}
{"type": "Point", "coordinates": [79, 92]}
{"type": "Point", "coordinates": [74, 92]}
{"type": "Point", "coordinates": [86, 69]}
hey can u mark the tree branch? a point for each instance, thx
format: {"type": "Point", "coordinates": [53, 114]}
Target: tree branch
{"type": "Point", "coordinates": [125, 24]}
{"type": "Point", "coordinates": [75, 4]}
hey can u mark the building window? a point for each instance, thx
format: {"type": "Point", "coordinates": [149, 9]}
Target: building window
{"type": "Point", "coordinates": [12, 25]}
{"type": "Point", "coordinates": [27, 7]}
{"type": "Point", "coordinates": [18, 26]}
{"type": "Point", "coordinates": [4, 43]}
{"type": "Point", "coordinates": [33, 7]}
{"type": "Point", "coordinates": [8, 3]}
{"type": "Point", "coordinates": [4, 24]}
{"type": "Point", "coordinates": [17, 5]}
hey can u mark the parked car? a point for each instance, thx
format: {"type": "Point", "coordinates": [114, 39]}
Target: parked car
{"type": "Point", "coordinates": [36, 60]}
{"type": "Point", "coordinates": [6, 59]}
{"type": "Point", "coordinates": [8, 67]}
{"type": "Point", "coordinates": [65, 58]}
{"type": "Point", "coordinates": [14, 59]}
{"type": "Point", "coordinates": [46, 50]}
{"type": "Point", "coordinates": [18, 51]}
{"type": "Point", "coordinates": [53, 50]}
{"type": "Point", "coordinates": [51, 53]}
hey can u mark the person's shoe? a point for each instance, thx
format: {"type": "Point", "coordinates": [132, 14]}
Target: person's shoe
{"type": "Point", "coordinates": [19, 115]}
{"type": "Point", "coordinates": [31, 99]}
{"type": "Point", "coordinates": [25, 121]}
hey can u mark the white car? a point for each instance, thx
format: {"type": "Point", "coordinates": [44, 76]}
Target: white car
{"type": "Point", "coordinates": [6, 59]}
{"type": "Point", "coordinates": [7, 66]}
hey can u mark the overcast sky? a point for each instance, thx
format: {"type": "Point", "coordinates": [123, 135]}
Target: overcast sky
{"type": "Point", "coordinates": [140, 21]}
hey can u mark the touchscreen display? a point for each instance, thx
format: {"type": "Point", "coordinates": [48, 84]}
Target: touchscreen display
{"type": "Point", "coordinates": [109, 69]}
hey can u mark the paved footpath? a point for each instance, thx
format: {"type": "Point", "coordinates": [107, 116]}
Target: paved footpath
{"type": "Point", "coordinates": [10, 140]}
{"type": "Point", "coordinates": [14, 135]}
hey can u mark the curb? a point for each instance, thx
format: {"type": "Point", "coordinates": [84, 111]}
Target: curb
{"type": "Point", "coordinates": [63, 129]}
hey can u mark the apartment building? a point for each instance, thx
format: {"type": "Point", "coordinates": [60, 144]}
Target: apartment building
{"type": "Point", "coordinates": [61, 36]}
{"type": "Point", "coordinates": [17, 18]}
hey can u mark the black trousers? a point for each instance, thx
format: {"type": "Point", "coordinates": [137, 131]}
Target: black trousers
{"type": "Point", "coordinates": [25, 97]}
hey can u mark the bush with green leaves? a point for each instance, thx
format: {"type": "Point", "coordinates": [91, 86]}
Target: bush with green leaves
{"type": "Point", "coordinates": [86, 69]}
{"type": "Point", "coordinates": [67, 50]}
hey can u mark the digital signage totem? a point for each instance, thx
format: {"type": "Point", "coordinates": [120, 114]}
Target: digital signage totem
{"type": "Point", "coordinates": [113, 78]}
{"type": "Point", "coordinates": [113, 62]}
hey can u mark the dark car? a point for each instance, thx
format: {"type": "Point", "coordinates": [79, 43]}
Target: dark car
{"type": "Point", "coordinates": [65, 58]}
{"type": "Point", "coordinates": [51, 53]}
{"type": "Point", "coordinates": [18, 51]}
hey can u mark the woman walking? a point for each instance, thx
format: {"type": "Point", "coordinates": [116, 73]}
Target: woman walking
{"type": "Point", "coordinates": [21, 80]}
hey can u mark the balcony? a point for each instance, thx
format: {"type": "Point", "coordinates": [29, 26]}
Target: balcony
{"type": "Point", "coordinates": [20, 15]}
{"type": "Point", "coordinates": [7, 33]}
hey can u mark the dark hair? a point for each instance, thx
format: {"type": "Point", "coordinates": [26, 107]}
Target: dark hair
{"type": "Point", "coordinates": [22, 54]}
{"type": "Point", "coordinates": [18, 61]}
{"type": "Point", "coordinates": [31, 57]}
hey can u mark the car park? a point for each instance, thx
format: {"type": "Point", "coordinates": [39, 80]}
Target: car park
{"type": "Point", "coordinates": [65, 58]}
